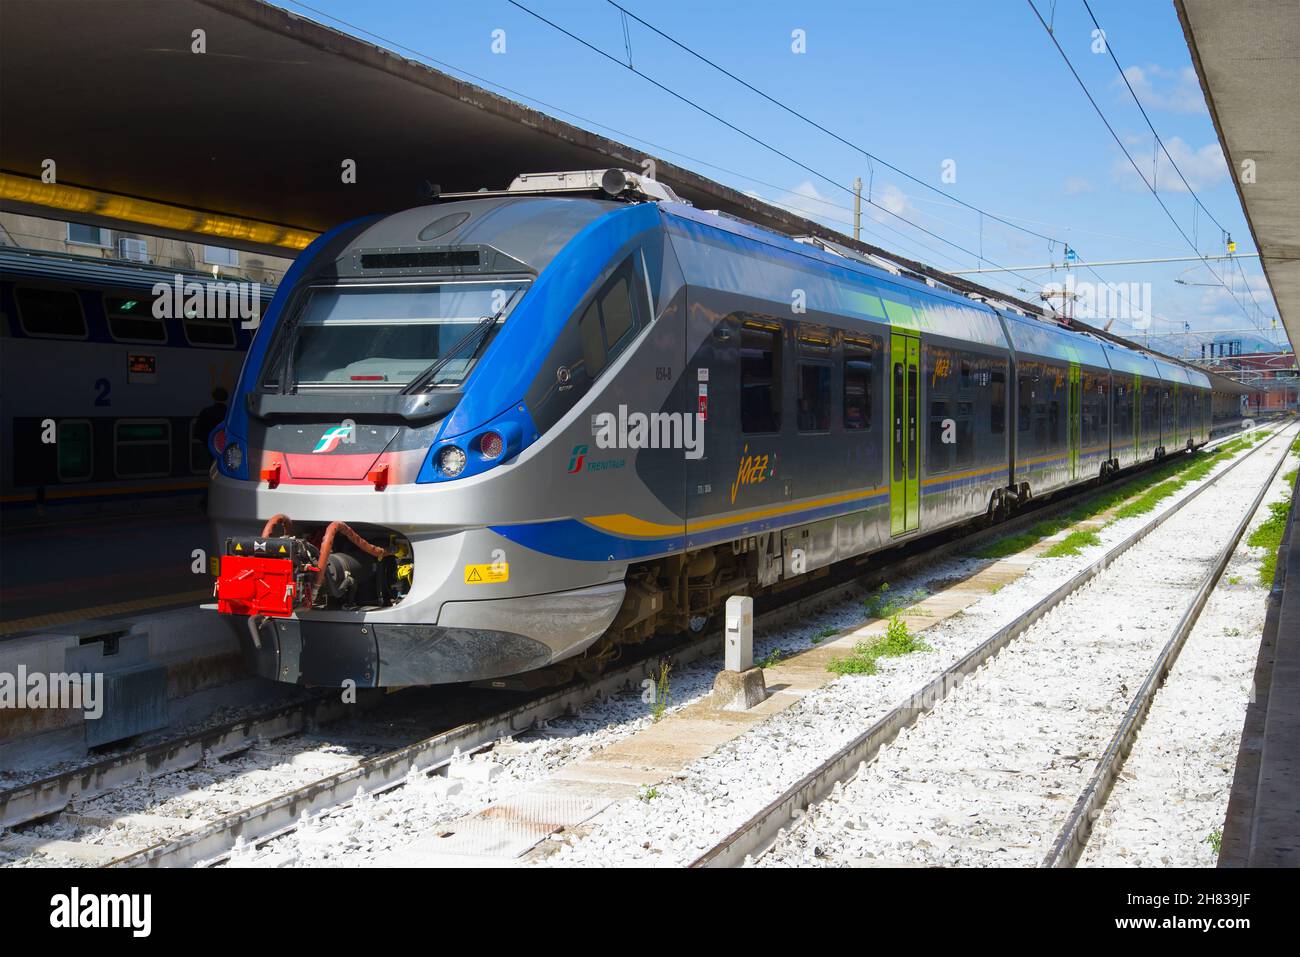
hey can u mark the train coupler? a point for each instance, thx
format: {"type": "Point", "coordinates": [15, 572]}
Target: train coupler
{"type": "Point", "coordinates": [266, 576]}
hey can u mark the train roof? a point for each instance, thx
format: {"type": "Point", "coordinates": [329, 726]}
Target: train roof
{"type": "Point", "coordinates": [511, 234]}
{"type": "Point", "coordinates": [88, 271]}
{"type": "Point", "coordinates": [835, 283]}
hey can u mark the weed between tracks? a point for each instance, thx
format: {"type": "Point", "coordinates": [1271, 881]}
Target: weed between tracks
{"type": "Point", "coordinates": [898, 640]}
{"type": "Point", "coordinates": [1137, 496]}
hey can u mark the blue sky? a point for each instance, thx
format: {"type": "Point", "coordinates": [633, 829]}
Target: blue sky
{"type": "Point", "coordinates": [917, 84]}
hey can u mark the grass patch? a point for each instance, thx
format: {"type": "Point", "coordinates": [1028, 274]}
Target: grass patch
{"type": "Point", "coordinates": [898, 640]}
{"type": "Point", "coordinates": [1268, 536]}
{"type": "Point", "coordinates": [1215, 840]}
{"type": "Point", "coordinates": [1150, 489]}
{"type": "Point", "coordinates": [773, 657]}
{"type": "Point", "coordinates": [663, 693]}
{"type": "Point", "coordinates": [648, 794]}
{"type": "Point", "coordinates": [822, 635]}
{"type": "Point", "coordinates": [1073, 544]}
{"type": "Point", "coordinates": [883, 604]}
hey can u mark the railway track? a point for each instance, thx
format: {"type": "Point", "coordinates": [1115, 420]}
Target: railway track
{"type": "Point", "coordinates": [210, 841]}
{"type": "Point", "coordinates": [941, 791]}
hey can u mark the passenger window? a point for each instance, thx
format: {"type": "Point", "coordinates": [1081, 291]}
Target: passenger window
{"type": "Point", "coordinates": [51, 312]}
{"type": "Point", "coordinates": [760, 379]}
{"type": "Point", "coordinates": [998, 403]}
{"type": "Point", "coordinates": [1025, 398]}
{"type": "Point", "coordinates": [131, 319]}
{"type": "Point", "coordinates": [142, 448]}
{"type": "Point", "coordinates": [937, 454]}
{"type": "Point", "coordinates": [76, 451]}
{"type": "Point", "coordinates": [215, 332]}
{"type": "Point", "coordinates": [857, 385]}
{"type": "Point", "coordinates": [814, 398]}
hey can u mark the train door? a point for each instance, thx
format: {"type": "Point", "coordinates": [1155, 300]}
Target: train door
{"type": "Point", "coordinates": [1178, 416]}
{"type": "Point", "coordinates": [904, 405]}
{"type": "Point", "coordinates": [1137, 417]}
{"type": "Point", "coordinates": [1074, 416]}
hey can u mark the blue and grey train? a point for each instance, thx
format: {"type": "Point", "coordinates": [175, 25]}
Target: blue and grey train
{"type": "Point", "coordinates": [520, 429]}
{"type": "Point", "coordinates": [104, 396]}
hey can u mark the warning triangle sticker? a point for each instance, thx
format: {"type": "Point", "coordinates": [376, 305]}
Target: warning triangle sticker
{"type": "Point", "coordinates": [473, 576]}
{"type": "Point", "coordinates": [281, 549]}
{"type": "Point", "coordinates": [238, 547]}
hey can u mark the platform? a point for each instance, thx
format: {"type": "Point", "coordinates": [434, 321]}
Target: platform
{"type": "Point", "coordinates": [1262, 828]}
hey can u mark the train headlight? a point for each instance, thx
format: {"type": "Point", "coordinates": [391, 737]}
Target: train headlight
{"type": "Point", "coordinates": [233, 457]}
{"type": "Point", "coordinates": [491, 445]}
{"type": "Point", "coordinates": [451, 460]}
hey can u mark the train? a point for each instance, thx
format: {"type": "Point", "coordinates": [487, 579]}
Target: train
{"type": "Point", "coordinates": [107, 404]}
{"type": "Point", "coordinates": [519, 430]}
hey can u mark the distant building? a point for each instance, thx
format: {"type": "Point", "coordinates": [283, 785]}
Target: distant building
{"type": "Point", "coordinates": [78, 239]}
{"type": "Point", "coordinates": [1273, 377]}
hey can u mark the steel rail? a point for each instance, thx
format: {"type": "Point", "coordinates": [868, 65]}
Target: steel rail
{"type": "Point", "coordinates": [758, 833]}
{"type": "Point", "coordinates": [1073, 836]}
{"type": "Point", "coordinates": [55, 793]}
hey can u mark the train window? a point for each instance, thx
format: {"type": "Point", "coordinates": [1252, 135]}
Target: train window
{"type": "Point", "coordinates": [814, 340]}
{"type": "Point", "coordinates": [616, 311]}
{"type": "Point", "coordinates": [54, 313]}
{"type": "Point", "coordinates": [593, 346]}
{"type": "Point", "coordinates": [218, 333]}
{"type": "Point", "coordinates": [76, 444]}
{"type": "Point", "coordinates": [131, 319]}
{"type": "Point", "coordinates": [964, 452]}
{"type": "Point", "coordinates": [1025, 397]}
{"type": "Point", "coordinates": [998, 403]}
{"type": "Point", "coordinates": [857, 384]}
{"type": "Point", "coordinates": [142, 448]}
{"type": "Point", "coordinates": [967, 379]}
{"type": "Point", "coordinates": [760, 379]}
{"type": "Point", "coordinates": [814, 398]}
{"type": "Point", "coordinates": [937, 455]}
{"type": "Point", "coordinates": [613, 310]}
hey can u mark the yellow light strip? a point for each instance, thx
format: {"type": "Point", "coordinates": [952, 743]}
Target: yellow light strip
{"type": "Point", "coordinates": [75, 199]}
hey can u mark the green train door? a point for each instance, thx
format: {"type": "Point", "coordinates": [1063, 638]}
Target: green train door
{"type": "Point", "coordinates": [904, 402]}
{"type": "Point", "coordinates": [1074, 416]}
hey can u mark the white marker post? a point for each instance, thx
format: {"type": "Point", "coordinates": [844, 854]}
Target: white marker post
{"type": "Point", "coordinates": [740, 633]}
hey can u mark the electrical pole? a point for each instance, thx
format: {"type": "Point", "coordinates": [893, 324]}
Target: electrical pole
{"type": "Point", "coordinates": [857, 208]}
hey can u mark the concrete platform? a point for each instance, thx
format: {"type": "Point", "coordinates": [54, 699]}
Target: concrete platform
{"type": "Point", "coordinates": [1262, 828]}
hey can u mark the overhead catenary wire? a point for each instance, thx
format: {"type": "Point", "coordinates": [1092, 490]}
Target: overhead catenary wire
{"type": "Point", "coordinates": [745, 133]}
{"type": "Point", "coordinates": [1154, 192]}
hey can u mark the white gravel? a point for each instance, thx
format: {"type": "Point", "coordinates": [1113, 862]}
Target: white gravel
{"type": "Point", "coordinates": [712, 796]}
{"type": "Point", "coordinates": [1173, 793]}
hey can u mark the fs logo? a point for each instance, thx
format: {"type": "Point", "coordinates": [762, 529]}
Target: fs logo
{"type": "Point", "coordinates": [579, 456]}
{"type": "Point", "coordinates": [331, 439]}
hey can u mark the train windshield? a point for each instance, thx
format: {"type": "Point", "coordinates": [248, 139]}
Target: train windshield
{"type": "Point", "coordinates": [391, 336]}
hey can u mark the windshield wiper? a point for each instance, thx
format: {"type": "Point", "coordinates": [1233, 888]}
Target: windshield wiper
{"type": "Point", "coordinates": [474, 336]}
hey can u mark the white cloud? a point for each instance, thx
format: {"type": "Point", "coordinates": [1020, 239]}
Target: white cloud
{"type": "Point", "coordinates": [1176, 91]}
{"type": "Point", "coordinates": [1203, 167]}
{"type": "Point", "coordinates": [1077, 184]}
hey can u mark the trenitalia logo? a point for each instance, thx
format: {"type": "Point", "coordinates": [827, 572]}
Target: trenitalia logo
{"type": "Point", "coordinates": [579, 456]}
{"type": "Point", "coordinates": [331, 439]}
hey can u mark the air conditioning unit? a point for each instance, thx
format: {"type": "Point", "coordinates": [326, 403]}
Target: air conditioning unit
{"type": "Point", "coordinates": [133, 250]}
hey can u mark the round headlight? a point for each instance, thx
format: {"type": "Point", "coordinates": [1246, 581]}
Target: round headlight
{"type": "Point", "coordinates": [233, 456]}
{"type": "Point", "coordinates": [491, 445]}
{"type": "Point", "coordinates": [451, 460]}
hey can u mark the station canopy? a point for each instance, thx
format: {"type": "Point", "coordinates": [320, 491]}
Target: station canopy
{"type": "Point", "coordinates": [243, 145]}
{"type": "Point", "coordinates": [1247, 55]}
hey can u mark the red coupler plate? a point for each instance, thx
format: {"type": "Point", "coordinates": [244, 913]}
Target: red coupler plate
{"type": "Point", "coordinates": [256, 586]}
